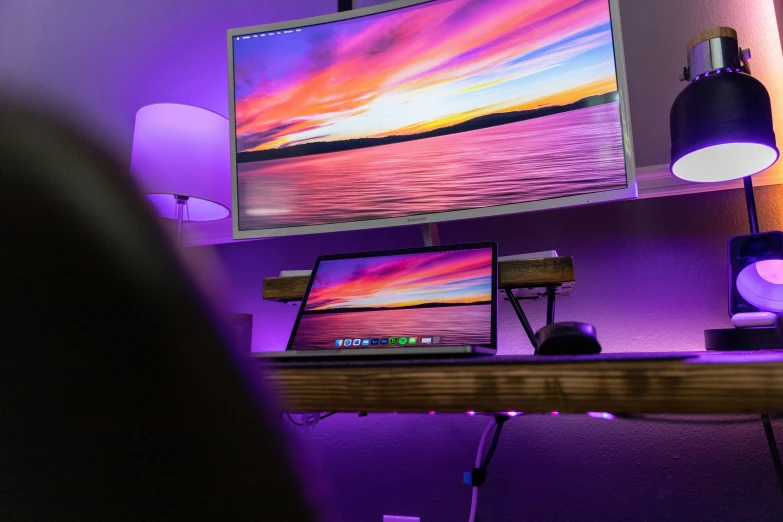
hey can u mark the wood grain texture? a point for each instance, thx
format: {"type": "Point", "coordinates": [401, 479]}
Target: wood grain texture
{"type": "Point", "coordinates": [529, 274]}
{"type": "Point", "coordinates": [535, 272]}
{"type": "Point", "coordinates": [285, 288]}
{"type": "Point", "coordinates": [709, 34]}
{"type": "Point", "coordinates": [652, 386]}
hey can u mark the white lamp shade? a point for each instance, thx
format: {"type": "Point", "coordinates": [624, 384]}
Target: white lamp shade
{"type": "Point", "coordinates": [183, 150]}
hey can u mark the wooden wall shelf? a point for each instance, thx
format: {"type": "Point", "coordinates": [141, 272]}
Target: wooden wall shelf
{"type": "Point", "coordinates": [508, 383]}
{"type": "Point", "coordinates": [529, 278]}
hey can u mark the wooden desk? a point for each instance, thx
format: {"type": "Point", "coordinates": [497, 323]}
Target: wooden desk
{"type": "Point", "coordinates": [662, 383]}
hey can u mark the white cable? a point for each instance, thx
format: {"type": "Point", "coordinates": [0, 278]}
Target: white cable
{"type": "Point", "coordinates": [479, 457]}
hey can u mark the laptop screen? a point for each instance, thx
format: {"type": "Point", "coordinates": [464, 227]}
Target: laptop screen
{"type": "Point", "coordinates": [432, 298]}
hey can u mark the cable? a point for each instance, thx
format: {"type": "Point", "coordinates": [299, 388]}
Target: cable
{"type": "Point", "coordinates": [492, 447]}
{"type": "Point", "coordinates": [479, 460]}
{"type": "Point", "coordinates": [322, 417]}
{"type": "Point", "coordinates": [482, 462]}
{"type": "Point", "coordinates": [293, 421]}
{"type": "Point", "coordinates": [773, 449]}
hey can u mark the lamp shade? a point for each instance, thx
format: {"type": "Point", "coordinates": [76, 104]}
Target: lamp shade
{"type": "Point", "coordinates": [181, 150]}
{"type": "Point", "coordinates": [721, 128]}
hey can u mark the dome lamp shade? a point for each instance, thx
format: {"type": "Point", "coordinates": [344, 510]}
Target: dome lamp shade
{"type": "Point", "coordinates": [721, 123]}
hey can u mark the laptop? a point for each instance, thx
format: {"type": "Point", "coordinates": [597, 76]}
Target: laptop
{"type": "Point", "coordinates": [422, 301]}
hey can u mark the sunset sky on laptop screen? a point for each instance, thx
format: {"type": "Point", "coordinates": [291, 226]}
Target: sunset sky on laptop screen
{"type": "Point", "coordinates": [416, 70]}
{"type": "Point", "coordinates": [457, 277]}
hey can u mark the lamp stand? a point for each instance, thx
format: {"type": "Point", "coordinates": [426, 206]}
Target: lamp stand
{"type": "Point", "coordinates": [345, 5]}
{"type": "Point", "coordinates": [430, 234]}
{"type": "Point", "coordinates": [179, 213]}
{"type": "Point", "coordinates": [750, 199]}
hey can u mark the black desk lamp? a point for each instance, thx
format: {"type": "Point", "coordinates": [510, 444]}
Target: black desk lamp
{"type": "Point", "coordinates": [721, 129]}
{"type": "Point", "coordinates": [721, 124]}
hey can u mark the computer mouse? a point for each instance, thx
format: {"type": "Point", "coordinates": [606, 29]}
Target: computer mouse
{"type": "Point", "coordinates": [567, 339]}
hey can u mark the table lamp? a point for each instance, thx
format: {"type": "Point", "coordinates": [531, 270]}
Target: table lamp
{"type": "Point", "coordinates": [721, 130]}
{"type": "Point", "coordinates": [181, 157]}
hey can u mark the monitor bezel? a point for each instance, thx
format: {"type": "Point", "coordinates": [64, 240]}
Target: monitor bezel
{"type": "Point", "coordinates": [628, 192]}
{"type": "Point", "coordinates": [401, 252]}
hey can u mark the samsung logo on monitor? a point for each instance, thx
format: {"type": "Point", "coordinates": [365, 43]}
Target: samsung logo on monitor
{"type": "Point", "coordinates": [414, 219]}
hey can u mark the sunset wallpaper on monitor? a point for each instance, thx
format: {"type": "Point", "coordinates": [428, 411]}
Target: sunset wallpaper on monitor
{"type": "Point", "coordinates": [354, 120]}
{"type": "Point", "coordinates": [447, 295]}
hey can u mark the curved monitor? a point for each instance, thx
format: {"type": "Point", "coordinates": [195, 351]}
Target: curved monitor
{"type": "Point", "coordinates": [426, 111]}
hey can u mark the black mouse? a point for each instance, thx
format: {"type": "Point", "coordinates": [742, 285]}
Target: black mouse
{"type": "Point", "coordinates": [567, 339]}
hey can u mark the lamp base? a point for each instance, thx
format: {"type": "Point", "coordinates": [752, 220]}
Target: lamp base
{"type": "Point", "coordinates": [742, 339]}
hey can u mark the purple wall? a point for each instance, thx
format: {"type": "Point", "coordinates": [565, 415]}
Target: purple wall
{"type": "Point", "coordinates": [102, 60]}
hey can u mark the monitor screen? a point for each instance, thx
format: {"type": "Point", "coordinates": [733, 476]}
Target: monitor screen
{"type": "Point", "coordinates": [441, 298]}
{"type": "Point", "coordinates": [439, 110]}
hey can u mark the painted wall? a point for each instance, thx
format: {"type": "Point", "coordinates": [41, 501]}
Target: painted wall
{"type": "Point", "coordinates": [650, 275]}
{"type": "Point", "coordinates": [102, 60]}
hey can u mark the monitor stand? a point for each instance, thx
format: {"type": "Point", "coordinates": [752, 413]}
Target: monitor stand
{"type": "Point", "coordinates": [430, 234]}
{"type": "Point", "coordinates": [345, 5]}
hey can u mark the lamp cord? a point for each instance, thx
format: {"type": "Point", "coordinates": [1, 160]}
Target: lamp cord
{"type": "Point", "coordinates": [479, 460]}
{"type": "Point", "coordinates": [750, 200]}
{"type": "Point", "coordinates": [773, 450]}
{"type": "Point", "coordinates": [322, 417]}
{"type": "Point", "coordinates": [482, 461]}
